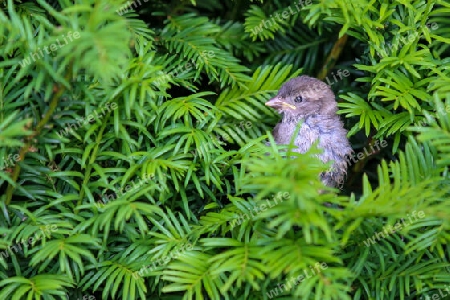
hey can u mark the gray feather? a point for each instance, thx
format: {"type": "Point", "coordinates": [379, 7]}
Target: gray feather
{"type": "Point", "coordinates": [317, 112]}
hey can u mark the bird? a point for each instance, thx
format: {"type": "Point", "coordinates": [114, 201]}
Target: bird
{"type": "Point", "coordinates": [312, 102]}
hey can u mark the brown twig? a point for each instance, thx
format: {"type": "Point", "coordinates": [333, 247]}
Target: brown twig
{"type": "Point", "coordinates": [58, 90]}
{"type": "Point", "coordinates": [333, 57]}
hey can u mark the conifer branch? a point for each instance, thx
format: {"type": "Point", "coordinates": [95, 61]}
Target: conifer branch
{"type": "Point", "coordinates": [58, 91]}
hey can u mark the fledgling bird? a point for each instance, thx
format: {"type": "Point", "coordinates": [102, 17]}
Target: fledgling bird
{"type": "Point", "coordinates": [312, 102]}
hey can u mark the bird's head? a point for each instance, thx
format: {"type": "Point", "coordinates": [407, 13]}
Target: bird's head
{"type": "Point", "coordinates": [303, 96]}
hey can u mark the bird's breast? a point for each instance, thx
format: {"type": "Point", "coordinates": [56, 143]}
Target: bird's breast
{"type": "Point", "coordinates": [283, 133]}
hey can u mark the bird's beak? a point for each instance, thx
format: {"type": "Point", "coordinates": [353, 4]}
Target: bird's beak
{"type": "Point", "coordinates": [277, 103]}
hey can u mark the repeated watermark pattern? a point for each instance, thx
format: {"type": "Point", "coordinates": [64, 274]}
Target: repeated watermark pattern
{"type": "Point", "coordinates": [329, 80]}
{"type": "Point", "coordinates": [260, 208]}
{"type": "Point", "coordinates": [285, 14]}
{"type": "Point", "coordinates": [339, 73]}
{"type": "Point", "coordinates": [73, 127]}
{"type": "Point", "coordinates": [124, 8]}
{"type": "Point", "coordinates": [181, 69]}
{"type": "Point", "coordinates": [354, 158]}
{"type": "Point", "coordinates": [411, 37]}
{"type": "Point", "coordinates": [439, 295]}
{"type": "Point", "coordinates": [361, 155]}
{"type": "Point", "coordinates": [30, 241]}
{"type": "Point", "coordinates": [53, 47]}
{"type": "Point", "coordinates": [398, 226]}
{"type": "Point", "coordinates": [163, 261]}
{"type": "Point", "coordinates": [225, 137]}
{"type": "Point", "coordinates": [296, 280]}
{"type": "Point", "coordinates": [128, 189]}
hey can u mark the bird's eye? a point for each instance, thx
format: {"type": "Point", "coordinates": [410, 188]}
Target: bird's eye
{"type": "Point", "coordinates": [298, 99]}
